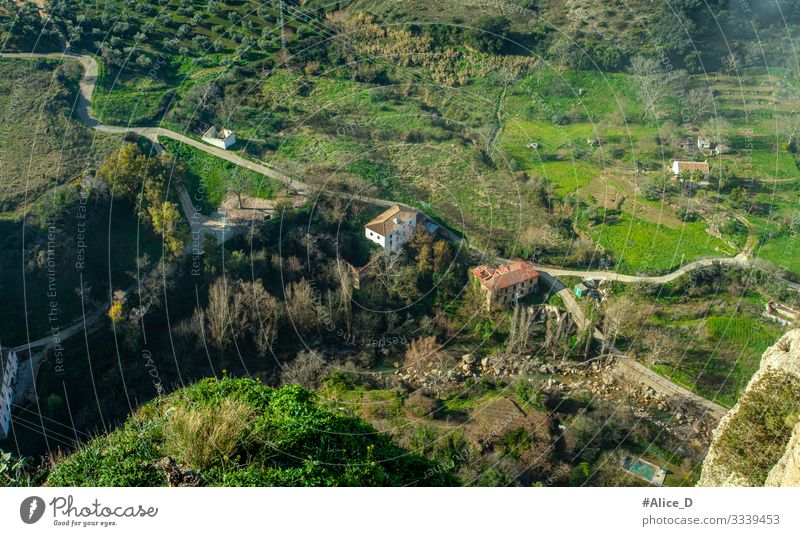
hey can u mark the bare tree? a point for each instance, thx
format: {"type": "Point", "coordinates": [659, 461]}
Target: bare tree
{"type": "Point", "coordinates": [153, 284]}
{"type": "Point", "coordinates": [217, 311]}
{"type": "Point", "coordinates": [557, 330]}
{"type": "Point", "coordinates": [422, 352]}
{"type": "Point", "coordinates": [258, 314]}
{"type": "Point", "coordinates": [699, 103]}
{"type": "Point", "coordinates": [655, 84]}
{"type": "Point", "coordinates": [306, 369]}
{"type": "Point", "coordinates": [621, 315]}
{"type": "Point", "coordinates": [395, 278]}
{"type": "Point", "coordinates": [300, 306]}
{"type": "Point", "coordinates": [521, 329]}
{"type": "Point", "coordinates": [345, 278]}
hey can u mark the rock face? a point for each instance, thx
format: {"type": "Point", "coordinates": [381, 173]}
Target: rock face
{"type": "Point", "coordinates": [758, 442]}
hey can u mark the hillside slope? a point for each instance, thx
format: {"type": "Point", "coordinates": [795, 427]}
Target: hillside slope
{"type": "Point", "coordinates": [758, 442]}
{"type": "Point", "coordinates": [238, 432]}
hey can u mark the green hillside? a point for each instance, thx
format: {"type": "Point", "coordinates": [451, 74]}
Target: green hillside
{"type": "Point", "coordinates": [237, 432]}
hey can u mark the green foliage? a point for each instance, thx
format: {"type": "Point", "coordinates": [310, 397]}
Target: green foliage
{"type": "Point", "coordinates": [529, 396]}
{"type": "Point", "coordinates": [685, 214]}
{"type": "Point", "coordinates": [14, 471]}
{"type": "Point", "coordinates": [740, 330]}
{"type": "Point", "coordinates": [579, 474]}
{"type": "Point", "coordinates": [489, 34]}
{"type": "Point", "coordinates": [515, 442]}
{"type": "Point", "coordinates": [283, 437]}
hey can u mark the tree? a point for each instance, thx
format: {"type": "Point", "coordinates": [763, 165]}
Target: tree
{"type": "Point", "coordinates": [738, 197]}
{"type": "Point", "coordinates": [655, 84]}
{"type": "Point", "coordinates": [441, 256]}
{"type": "Point", "coordinates": [306, 369]}
{"type": "Point", "coordinates": [300, 306]}
{"type": "Point", "coordinates": [211, 262]}
{"type": "Point", "coordinates": [489, 34]}
{"type": "Point", "coordinates": [731, 63]}
{"type": "Point", "coordinates": [424, 256]}
{"type": "Point", "coordinates": [124, 170]}
{"type": "Point", "coordinates": [167, 223]}
{"type": "Point", "coordinates": [521, 330]}
{"type": "Point", "coordinates": [658, 187]}
{"type": "Point", "coordinates": [217, 312]}
{"type": "Point", "coordinates": [566, 53]}
{"type": "Point", "coordinates": [700, 104]}
{"type": "Point", "coordinates": [623, 314]}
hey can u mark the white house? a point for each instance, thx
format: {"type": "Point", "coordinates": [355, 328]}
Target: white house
{"type": "Point", "coordinates": [222, 138]}
{"type": "Point", "coordinates": [8, 378]}
{"type": "Point", "coordinates": [392, 228]}
{"type": "Point", "coordinates": [678, 166]}
{"type": "Point", "coordinates": [704, 143]}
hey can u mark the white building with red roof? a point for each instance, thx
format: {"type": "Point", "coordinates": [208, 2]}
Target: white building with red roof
{"type": "Point", "coordinates": [680, 165]}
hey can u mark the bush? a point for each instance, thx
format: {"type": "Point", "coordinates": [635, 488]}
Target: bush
{"type": "Point", "coordinates": [201, 436]}
{"type": "Point", "coordinates": [684, 214]}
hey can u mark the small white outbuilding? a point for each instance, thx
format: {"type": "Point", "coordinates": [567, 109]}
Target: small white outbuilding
{"type": "Point", "coordinates": [222, 138]}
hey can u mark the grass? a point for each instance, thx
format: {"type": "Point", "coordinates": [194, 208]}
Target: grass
{"type": "Point", "coordinates": [720, 361]}
{"type": "Point", "coordinates": [741, 331]}
{"type": "Point", "coordinates": [42, 146]}
{"type": "Point", "coordinates": [210, 178]}
{"type": "Point", "coordinates": [784, 252]}
{"type": "Point", "coordinates": [640, 246]}
{"type": "Point", "coordinates": [768, 165]}
{"type": "Point", "coordinates": [135, 101]}
{"type": "Point", "coordinates": [200, 435]}
{"type": "Point", "coordinates": [289, 439]}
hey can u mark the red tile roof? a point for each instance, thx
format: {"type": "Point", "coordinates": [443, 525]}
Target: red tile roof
{"type": "Point", "coordinates": [504, 276]}
{"type": "Point", "coordinates": [691, 166]}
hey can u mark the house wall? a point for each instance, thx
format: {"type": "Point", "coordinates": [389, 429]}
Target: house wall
{"type": "Point", "coordinates": [401, 235]}
{"type": "Point", "coordinates": [222, 144]}
{"type": "Point", "coordinates": [396, 238]}
{"type": "Point", "coordinates": [375, 237]}
{"type": "Point", "coordinates": [7, 392]}
{"type": "Point", "coordinates": [508, 295]}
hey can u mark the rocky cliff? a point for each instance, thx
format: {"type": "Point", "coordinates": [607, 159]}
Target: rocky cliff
{"type": "Point", "coordinates": [758, 442]}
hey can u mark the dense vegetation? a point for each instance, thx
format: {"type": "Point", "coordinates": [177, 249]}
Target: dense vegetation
{"type": "Point", "coordinates": [534, 129]}
{"type": "Point", "coordinates": [231, 432]}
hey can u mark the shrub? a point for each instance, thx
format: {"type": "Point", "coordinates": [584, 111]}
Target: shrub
{"type": "Point", "coordinates": [201, 436]}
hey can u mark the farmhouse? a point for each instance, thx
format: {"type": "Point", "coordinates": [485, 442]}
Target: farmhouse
{"type": "Point", "coordinates": [392, 228]}
{"type": "Point", "coordinates": [8, 377]}
{"type": "Point", "coordinates": [505, 284]}
{"type": "Point", "coordinates": [222, 138]}
{"type": "Point", "coordinates": [678, 166]}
